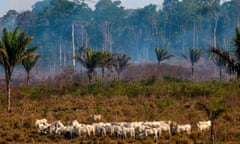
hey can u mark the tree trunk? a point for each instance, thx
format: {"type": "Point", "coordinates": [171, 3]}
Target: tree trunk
{"type": "Point", "coordinates": [28, 77]}
{"type": "Point", "coordinates": [118, 76]}
{"type": "Point", "coordinates": [213, 132]}
{"type": "Point", "coordinates": [192, 72]}
{"type": "Point", "coordinates": [60, 51]}
{"type": "Point", "coordinates": [238, 21]}
{"type": "Point", "coordinates": [73, 48]}
{"type": "Point", "coordinates": [220, 72]}
{"type": "Point", "coordinates": [194, 34]}
{"type": "Point", "coordinates": [8, 82]}
{"type": "Point", "coordinates": [103, 71]}
{"type": "Point", "coordinates": [90, 76]}
{"type": "Point", "coordinates": [215, 30]}
{"type": "Point", "coordinates": [238, 75]}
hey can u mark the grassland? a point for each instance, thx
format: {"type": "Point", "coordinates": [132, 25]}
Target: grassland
{"type": "Point", "coordinates": [142, 100]}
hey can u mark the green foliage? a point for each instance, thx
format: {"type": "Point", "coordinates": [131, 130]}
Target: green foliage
{"type": "Point", "coordinates": [149, 81]}
{"type": "Point", "coordinates": [89, 59]}
{"type": "Point", "coordinates": [96, 88]}
{"type": "Point", "coordinates": [171, 79]}
{"type": "Point", "coordinates": [146, 87]}
{"type": "Point", "coordinates": [28, 63]}
{"type": "Point", "coordinates": [198, 89]}
{"type": "Point", "coordinates": [118, 88]}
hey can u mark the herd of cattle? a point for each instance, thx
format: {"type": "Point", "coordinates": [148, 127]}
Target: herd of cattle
{"type": "Point", "coordinates": [118, 129]}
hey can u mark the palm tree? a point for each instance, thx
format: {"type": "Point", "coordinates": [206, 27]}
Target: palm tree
{"type": "Point", "coordinates": [232, 58]}
{"type": "Point", "coordinates": [213, 109]}
{"type": "Point", "coordinates": [218, 61]}
{"type": "Point", "coordinates": [89, 59]}
{"type": "Point", "coordinates": [105, 60]}
{"type": "Point", "coordinates": [194, 56]}
{"type": "Point", "coordinates": [120, 62]}
{"type": "Point", "coordinates": [162, 55]}
{"type": "Point", "coordinates": [13, 49]}
{"type": "Point", "coordinates": [28, 63]}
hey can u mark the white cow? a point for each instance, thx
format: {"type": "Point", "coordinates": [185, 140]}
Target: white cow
{"type": "Point", "coordinates": [40, 121]}
{"type": "Point", "coordinates": [165, 127]}
{"type": "Point", "coordinates": [128, 131]}
{"type": "Point", "coordinates": [42, 126]}
{"type": "Point", "coordinates": [96, 118]}
{"type": "Point", "coordinates": [182, 128]}
{"type": "Point", "coordinates": [204, 125]}
{"type": "Point", "coordinates": [56, 127]}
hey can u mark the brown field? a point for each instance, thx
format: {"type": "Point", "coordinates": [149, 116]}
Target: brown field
{"type": "Point", "coordinates": [146, 99]}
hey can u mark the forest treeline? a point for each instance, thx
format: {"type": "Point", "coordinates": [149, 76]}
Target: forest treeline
{"type": "Point", "coordinates": [175, 26]}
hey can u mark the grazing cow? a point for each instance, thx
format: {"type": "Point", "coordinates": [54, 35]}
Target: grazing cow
{"type": "Point", "coordinates": [182, 128]}
{"type": "Point", "coordinates": [96, 118]}
{"type": "Point", "coordinates": [204, 125]}
{"type": "Point", "coordinates": [56, 127]}
{"type": "Point", "coordinates": [42, 125]}
{"type": "Point", "coordinates": [40, 121]}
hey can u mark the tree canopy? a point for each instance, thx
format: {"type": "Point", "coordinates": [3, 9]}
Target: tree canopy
{"type": "Point", "coordinates": [176, 26]}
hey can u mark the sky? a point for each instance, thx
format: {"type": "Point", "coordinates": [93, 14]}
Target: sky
{"type": "Point", "coordinates": [22, 5]}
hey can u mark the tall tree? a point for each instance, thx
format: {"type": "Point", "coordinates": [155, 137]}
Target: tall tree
{"type": "Point", "coordinates": [194, 56]}
{"type": "Point", "coordinates": [162, 55]}
{"type": "Point", "coordinates": [108, 15]}
{"type": "Point", "coordinates": [212, 6]}
{"type": "Point", "coordinates": [28, 63]}
{"type": "Point", "coordinates": [232, 58]}
{"type": "Point", "coordinates": [13, 49]}
{"type": "Point", "coordinates": [53, 19]}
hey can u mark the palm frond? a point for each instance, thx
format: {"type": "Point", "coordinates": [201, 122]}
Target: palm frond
{"type": "Point", "coordinates": [30, 50]}
{"type": "Point", "coordinates": [162, 54]}
{"type": "Point", "coordinates": [88, 58]}
{"type": "Point", "coordinates": [30, 61]}
{"type": "Point", "coordinates": [184, 56]}
{"type": "Point", "coordinates": [194, 54]}
{"type": "Point", "coordinates": [120, 62]}
{"type": "Point", "coordinates": [217, 113]}
{"type": "Point", "coordinates": [14, 47]}
{"type": "Point", "coordinates": [4, 57]}
{"type": "Point", "coordinates": [226, 58]}
{"type": "Point", "coordinates": [225, 55]}
{"type": "Point", "coordinates": [216, 58]}
{"type": "Point", "coordinates": [205, 108]}
{"type": "Point", "coordinates": [236, 44]}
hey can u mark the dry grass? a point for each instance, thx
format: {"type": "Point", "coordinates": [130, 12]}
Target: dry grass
{"type": "Point", "coordinates": [18, 126]}
{"type": "Point", "coordinates": [154, 98]}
